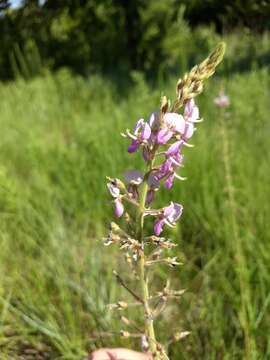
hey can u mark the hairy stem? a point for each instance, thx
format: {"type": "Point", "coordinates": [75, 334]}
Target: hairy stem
{"type": "Point", "coordinates": [149, 326]}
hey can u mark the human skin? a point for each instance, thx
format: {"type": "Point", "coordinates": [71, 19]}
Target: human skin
{"type": "Point", "coordinates": [118, 354]}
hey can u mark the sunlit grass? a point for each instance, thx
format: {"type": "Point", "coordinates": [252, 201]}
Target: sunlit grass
{"type": "Point", "coordinates": [59, 139]}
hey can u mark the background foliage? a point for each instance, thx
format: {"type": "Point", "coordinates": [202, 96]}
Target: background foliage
{"type": "Point", "coordinates": [58, 136]}
{"type": "Point", "coordinates": [117, 35]}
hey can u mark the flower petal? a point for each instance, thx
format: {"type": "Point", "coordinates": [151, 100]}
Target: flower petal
{"type": "Point", "coordinates": [189, 130]}
{"type": "Point", "coordinates": [174, 148]}
{"type": "Point", "coordinates": [133, 146]}
{"type": "Point", "coordinates": [158, 226]}
{"type": "Point", "coordinates": [153, 119]}
{"type": "Point", "coordinates": [134, 176]}
{"type": "Point", "coordinates": [169, 181]}
{"type": "Point", "coordinates": [138, 126]}
{"type": "Point", "coordinates": [175, 121]}
{"type": "Point", "coordinates": [164, 135]}
{"type": "Point", "coordinates": [168, 210]}
{"type": "Point", "coordinates": [191, 112]}
{"type": "Point", "coordinates": [165, 167]}
{"type": "Point", "coordinates": [146, 131]}
{"type": "Point", "coordinates": [153, 181]}
{"type": "Point", "coordinates": [175, 213]}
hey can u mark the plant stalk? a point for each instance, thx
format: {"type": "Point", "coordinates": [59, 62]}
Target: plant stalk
{"type": "Point", "coordinates": [149, 326]}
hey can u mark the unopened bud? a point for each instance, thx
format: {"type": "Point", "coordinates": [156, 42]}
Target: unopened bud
{"type": "Point", "coordinates": [114, 227]}
{"type": "Point", "coordinates": [164, 104]}
{"type": "Point", "coordinates": [125, 320]}
{"type": "Point", "coordinates": [122, 305]}
{"type": "Point", "coordinates": [181, 335]}
{"type": "Point", "coordinates": [120, 184]}
{"type": "Point", "coordinates": [172, 261]}
{"type": "Point", "coordinates": [127, 217]}
{"type": "Point", "coordinates": [144, 343]}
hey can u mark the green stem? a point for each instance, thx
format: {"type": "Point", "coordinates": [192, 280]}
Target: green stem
{"type": "Point", "coordinates": [149, 326]}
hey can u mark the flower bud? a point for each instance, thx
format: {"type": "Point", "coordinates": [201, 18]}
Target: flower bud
{"type": "Point", "coordinates": [164, 104]}
{"type": "Point", "coordinates": [118, 207]}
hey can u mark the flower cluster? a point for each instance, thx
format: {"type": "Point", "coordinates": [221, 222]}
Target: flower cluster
{"type": "Point", "coordinates": [170, 132]}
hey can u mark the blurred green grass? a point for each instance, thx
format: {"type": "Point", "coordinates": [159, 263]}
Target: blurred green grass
{"type": "Point", "coordinates": [60, 137]}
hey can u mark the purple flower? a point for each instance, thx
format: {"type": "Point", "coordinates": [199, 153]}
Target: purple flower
{"type": "Point", "coordinates": [191, 112]}
{"type": "Point", "coordinates": [164, 135]}
{"type": "Point", "coordinates": [169, 216]}
{"type": "Point", "coordinates": [167, 169]}
{"type": "Point", "coordinates": [153, 120]}
{"type": "Point", "coordinates": [142, 132]}
{"type": "Point", "coordinates": [169, 181]}
{"type": "Point", "coordinates": [134, 177]}
{"type": "Point", "coordinates": [222, 100]}
{"type": "Point", "coordinates": [191, 115]}
{"type": "Point", "coordinates": [175, 148]}
{"type": "Point", "coordinates": [154, 124]}
{"type": "Point", "coordinates": [173, 123]}
{"type": "Point", "coordinates": [153, 182]}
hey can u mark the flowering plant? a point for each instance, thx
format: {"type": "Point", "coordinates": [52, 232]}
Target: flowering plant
{"type": "Point", "coordinates": [161, 140]}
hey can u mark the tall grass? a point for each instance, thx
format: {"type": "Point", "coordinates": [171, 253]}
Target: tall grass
{"type": "Point", "coordinates": [59, 139]}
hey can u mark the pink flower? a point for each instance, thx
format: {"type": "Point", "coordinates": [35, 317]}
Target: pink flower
{"type": "Point", "coordinates": [173, 124]}
{"type": "Point", "coordinates": [191, 112]}
{"type": "Point", "coordinates": [175, 148]}
{"type": "Point", "coordinates": [222, 100]}
{"type": "Point", "coordinates": [168, 168]}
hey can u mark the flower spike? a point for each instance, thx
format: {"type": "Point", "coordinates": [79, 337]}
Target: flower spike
{"type": "Point", "coordinates": [163, 140]}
